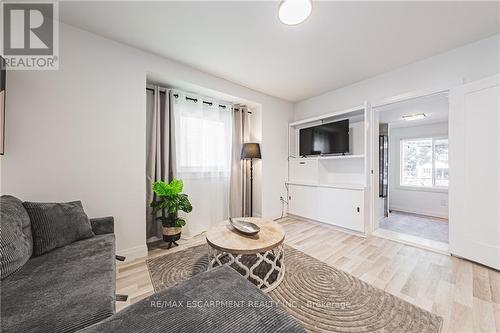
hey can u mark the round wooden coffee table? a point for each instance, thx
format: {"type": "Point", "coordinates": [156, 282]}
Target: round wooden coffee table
{"type": "Point", "coordinates": [260, 258]}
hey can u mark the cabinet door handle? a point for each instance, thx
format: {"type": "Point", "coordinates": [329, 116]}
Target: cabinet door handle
{"type": "Point", "coordinates": [357, 208]}
{"type": "Point", "coordinates": [302, 162]}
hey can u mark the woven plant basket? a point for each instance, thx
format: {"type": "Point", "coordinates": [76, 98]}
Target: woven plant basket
{"type": "Point", "coordinates": [171, 231]}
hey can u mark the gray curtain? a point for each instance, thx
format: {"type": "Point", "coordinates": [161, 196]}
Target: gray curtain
{"type": "Point", "coordinates": [239, 187]}
{"type": "Point", "coordinates": [158, 152]}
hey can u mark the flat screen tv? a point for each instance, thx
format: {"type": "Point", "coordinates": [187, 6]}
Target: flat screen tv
{"type": "Point", "coordinates": [331, 138]}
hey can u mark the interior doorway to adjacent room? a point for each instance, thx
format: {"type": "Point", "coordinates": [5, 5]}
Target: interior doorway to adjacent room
{"type": "Point", "coordinates": [411, 153]}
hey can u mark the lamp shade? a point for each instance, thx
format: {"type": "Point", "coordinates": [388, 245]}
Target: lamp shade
{"type": "Point", "coordinates": [250, 150]}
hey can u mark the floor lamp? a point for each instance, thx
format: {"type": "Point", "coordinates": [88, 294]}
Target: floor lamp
{"type": "Point", "coordinates": [249, 151]}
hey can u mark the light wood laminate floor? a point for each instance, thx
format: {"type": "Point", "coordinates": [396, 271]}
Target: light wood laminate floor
{"type": "Point", "coordinates": [465, 294]}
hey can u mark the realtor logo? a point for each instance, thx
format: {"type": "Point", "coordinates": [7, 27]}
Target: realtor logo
{"type": "Point", "coordinates": [30, 35]}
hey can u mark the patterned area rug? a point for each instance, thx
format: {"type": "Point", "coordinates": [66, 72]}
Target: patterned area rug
{"type": "Point", "coordinates": [320, 297]}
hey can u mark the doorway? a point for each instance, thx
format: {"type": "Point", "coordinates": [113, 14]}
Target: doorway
{"type": "Point", "coordinates": [411, 156]}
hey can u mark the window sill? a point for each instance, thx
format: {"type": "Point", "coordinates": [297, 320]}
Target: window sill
{"type": "Point", "coordinates": [423, 189]}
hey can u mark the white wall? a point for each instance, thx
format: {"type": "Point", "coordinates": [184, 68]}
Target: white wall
{"type": "Point", "coordinates": [79, 132]}
{"type": "Point", "coordinates": [468, 63]}
{"type": "Point", "coordinates": [418, 201]}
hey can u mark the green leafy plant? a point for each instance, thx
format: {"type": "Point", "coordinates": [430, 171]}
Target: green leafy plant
{"type": "Point", "coordinates": [169, 201]}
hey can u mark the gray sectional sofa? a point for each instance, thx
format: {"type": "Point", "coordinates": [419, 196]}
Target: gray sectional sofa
{"type": "Point", "coordinates": [64, 290]}
{"type": "Point", "coordinates": [220, 300]}
{"type": "Point", "coordinates": [72, 288]}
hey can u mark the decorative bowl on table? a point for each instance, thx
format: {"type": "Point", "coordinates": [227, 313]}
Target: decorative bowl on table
{"type": "Point", "coordinates": [247, 228]}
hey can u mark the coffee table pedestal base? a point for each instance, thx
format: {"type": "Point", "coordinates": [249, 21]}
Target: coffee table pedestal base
{"type": "Point", "coordinates": [266, 270]}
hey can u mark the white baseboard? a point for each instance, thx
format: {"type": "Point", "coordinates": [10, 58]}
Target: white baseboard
{"type": "Point", "coordinates": [135, 252]}
{"type": "Point", "coordinates": [420, 212]}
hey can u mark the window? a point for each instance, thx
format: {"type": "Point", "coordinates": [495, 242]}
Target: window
{"type": "Point", "coordinates": [424, 162]}
{"type": "Point", "coordinates": [441, 162]}
{"type": "Point", "coordinates": [204, 148]}
{"type": "Point", "coordinates": [203, 137]}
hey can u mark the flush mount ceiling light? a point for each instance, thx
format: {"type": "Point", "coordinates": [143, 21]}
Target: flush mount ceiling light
{"type": "Point", "coordinates": [292, 12]}
{"type": "Point", "coordinates": [414, 116]}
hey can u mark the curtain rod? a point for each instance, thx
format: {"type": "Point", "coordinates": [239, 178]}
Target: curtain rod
{"type": "Point", "coordinates": [196, 100]}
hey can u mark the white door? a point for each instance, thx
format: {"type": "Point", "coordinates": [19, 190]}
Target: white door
{"type": "Point", "coordinates": [474, 159]}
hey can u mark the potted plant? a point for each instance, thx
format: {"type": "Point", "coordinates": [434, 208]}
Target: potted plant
{"type": "Point", "coordinates": [169, 201]}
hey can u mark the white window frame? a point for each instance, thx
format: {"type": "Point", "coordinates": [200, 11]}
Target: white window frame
{"type": "Point", "coordinates": [434, 187]}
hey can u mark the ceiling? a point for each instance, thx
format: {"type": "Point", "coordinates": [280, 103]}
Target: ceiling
{"type": "Point", "coordinates": [435, 108]}
{"type": "Point", "coordinates": [244, 42]}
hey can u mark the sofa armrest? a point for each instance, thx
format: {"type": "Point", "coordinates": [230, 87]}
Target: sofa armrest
{"type": "Point", "coordinates": [103, 225]}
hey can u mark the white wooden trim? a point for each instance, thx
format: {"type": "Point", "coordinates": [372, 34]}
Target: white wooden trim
{"type": "Point", "coordinates": [328, 115]}
{"type": "Point", "coordinates": [328, 157]}
{"type": "Point", "coordinates": [359, 187]}
{"type": "Point", "coordinates": [388, 101]}
{"type": "Point", "coordinates": [413, 95]}
{"type": "Point", "coordinates": [483, 83]}
{"type": "Point", "coordinates": [368, 167]}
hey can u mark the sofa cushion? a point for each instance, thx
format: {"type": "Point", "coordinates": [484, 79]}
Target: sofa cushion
{"type": "Point", "coordinates": [62, 291]}
{"type": "Point", "coordinates": [103, 225]}
{"type": "Point", "coordinates": [15, 237]}
{"type": "Point", "coordinates": [57, 224]}
{"type": "Point", "coordinates": [220, 300]}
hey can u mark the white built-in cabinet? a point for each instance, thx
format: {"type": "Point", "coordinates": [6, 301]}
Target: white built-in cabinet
{"type": "Point", "coordinates": [302, 200]}
{"type": "Point", "coordinates": [337, 206]}
{"type": "Point", "coordinates": [331, 189]}
{"type": "Point", "coordinates": [341, 207]}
